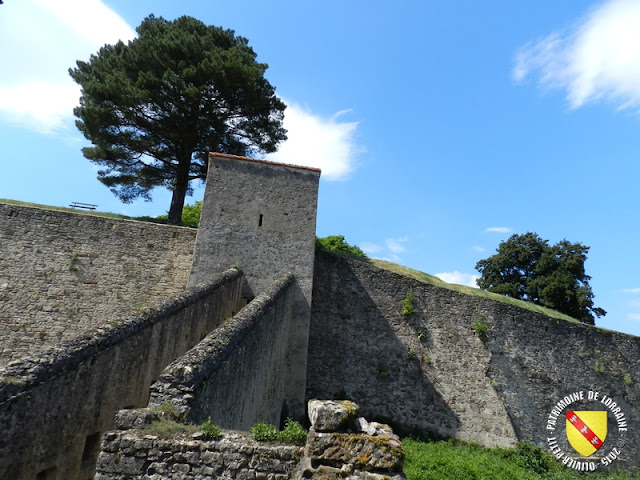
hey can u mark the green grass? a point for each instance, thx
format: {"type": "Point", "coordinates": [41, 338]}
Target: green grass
{"type": "Point", "coordinates": [430, 279]}
{"type": "Point", "coordinates": [454, 460]}
{"type": "Point", "coordinates": [81, 211]}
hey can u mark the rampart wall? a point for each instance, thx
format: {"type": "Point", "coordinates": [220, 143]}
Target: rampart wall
{"type": "Point", "coordinates": [432, 371]}
{"type": "Point", "coordinates": [236, 376]}
{"type": "Point", "coordinates": [262, 216]}
{"type": "Point", "coordinates": [63, 274]}
{"type": "Point", "coordinates": [131, 454]}
{"type": "Point", "coordinates": [55, 406]}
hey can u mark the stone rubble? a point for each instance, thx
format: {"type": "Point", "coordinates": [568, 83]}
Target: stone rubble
{"type": "Point", "coordinates": [339, 445]}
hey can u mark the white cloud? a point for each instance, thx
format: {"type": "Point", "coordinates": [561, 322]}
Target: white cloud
{"type": "Point", "coordinates": [633, 291]}
{"type": "Point", "coordinates": [319, 142]}
{"type": "Point", "coordinates": [634, 316]}
{"type": "Point", "coordinates": [479, 249]}
{"type": "Point", "coordinates": [46, 39]}
{"type": "Point", "coordinates": [390, 251]}
{"type": "Point", "coordinates": [499, 230]}
{"type": "Point", "coordinates": [459, 278]}
{"type": "Point", "coordinates": [395, 245]}
{"type": "Point", "coordinates": [598, 58]}
{"type": "Point", "coordinates": [370, 248]}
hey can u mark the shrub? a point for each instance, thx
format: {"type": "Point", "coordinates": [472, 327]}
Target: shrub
{"type": "Point", "coordinates": [190, 215]}
{"type": "Point", "coordinates": [264, 432]}
{"type": "Point", "coordinates": [337, 243]}
{"type": "Point", "coordinates": [481, 329]}
{"type": "Point", "coordinates": [210, 430]}
{"type": "Point", "coordinates": [293, 433]}
{"type": "Point", "coordinates": [407, 304]}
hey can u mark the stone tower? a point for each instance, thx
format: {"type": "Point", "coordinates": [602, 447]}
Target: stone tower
{"type": "Point", "coordinates": [261, 216]}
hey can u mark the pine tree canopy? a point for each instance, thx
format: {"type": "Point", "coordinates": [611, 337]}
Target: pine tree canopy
{"type": "Point", "coordinates": [154, 108]}
{"type": "Point", "coordinates": [528, 268]}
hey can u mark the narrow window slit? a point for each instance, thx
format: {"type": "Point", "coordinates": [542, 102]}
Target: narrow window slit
{"type": "Point", "coordinates": [260, 220]}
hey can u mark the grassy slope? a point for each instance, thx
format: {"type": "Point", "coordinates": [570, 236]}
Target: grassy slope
{"type": "Point", "coordinates": [426, 278]}
{"type": "Point", "coordinates": [454, 460]}
{"type": "Point", "coordinates": [79, 210]}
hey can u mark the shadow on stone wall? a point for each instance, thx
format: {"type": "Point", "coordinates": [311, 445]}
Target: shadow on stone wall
{"type": "Point", "coordinates": [499, 386]}
{"type": "Point", "coordinates": [357, 353]}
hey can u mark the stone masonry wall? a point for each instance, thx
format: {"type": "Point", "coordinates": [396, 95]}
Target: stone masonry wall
{"type": "Point", "coordinates": [236, 376]}
{"type": "Point", "coordinates": [434, 372]}
{"type": "Point", "coordinates": [55, 405]}
{"type": "Point", "coordinates": [134, 454]}
{"type": "Point", "coordinates": [62, 274]}
{"type": "Point", "coordinates": [262, 216]}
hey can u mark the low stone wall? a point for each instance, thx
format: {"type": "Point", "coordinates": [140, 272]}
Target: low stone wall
{"type": "Point", "coordinates": [63, 274]}
{"type": "Point", "coordinates": [133, 454]}
{"type": "Point", "coordinates": [435, 371]}
{"type": "Point", "coordinates": [236, 376]}
{"type": "Point", "coordinates": [54, 406]}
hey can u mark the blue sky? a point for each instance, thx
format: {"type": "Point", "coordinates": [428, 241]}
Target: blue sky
{"type": "Point", "coordinates": [441, 127]}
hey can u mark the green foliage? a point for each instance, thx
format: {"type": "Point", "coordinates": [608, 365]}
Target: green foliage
{"type": "Point", "coordinates": [528, 268]}
{"type": "Point", "coordinates": [481, 328]}
{"type": "Point", "coordinates": [264, 432]}
{"type": "Point", "coordinates": [190, 215]}
{"type": "Point", "coordinates": [210, 430]}
{"type": "Point", "coordinates": [337, 243]}
{"type": "Point", "coordinates": [407, 304]}
{"type": "Point", "coordinates": [461, 461]}
{"type": "Point", "coordinates": [293, 432]}
{"type": "Point", "coordinates": [155, 107]}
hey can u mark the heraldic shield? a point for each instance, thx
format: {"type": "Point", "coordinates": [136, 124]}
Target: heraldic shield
{"type": "Point", "coordinates": [586, 430]}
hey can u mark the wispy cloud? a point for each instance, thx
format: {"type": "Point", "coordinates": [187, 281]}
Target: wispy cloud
{"type": "Point", "coordinates": [459, 278]}
{"type": "Point", "coordinates": [390, 251]}
{"type": "Point", "coordinates": [396, 245]}
{"type": "Point", "coordinates": [499, 230]}
{"type": "Point", "coordinates": [315, 141]}
{"type": "Point", "coordinates": [633, 291]}
{"type": "Point", "coordinates": [478, 249]}
{"type": "Point", "coordinates": [634, 316]}
{"type": "Point", "coordinates": [598, 58]}
{"type": "Point", "coordinates": [46, 39]}
{"type": "Point", "coordinates": [370, 248]}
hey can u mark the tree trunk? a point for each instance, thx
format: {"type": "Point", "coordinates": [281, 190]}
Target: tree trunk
{"type": "Point", "coordinates": [179, 189]}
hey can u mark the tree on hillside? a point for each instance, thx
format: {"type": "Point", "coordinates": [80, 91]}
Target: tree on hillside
{"type": "Point", "coordinates": [528, 268]}
{"type": "Point", "coordinates": [154, 108]}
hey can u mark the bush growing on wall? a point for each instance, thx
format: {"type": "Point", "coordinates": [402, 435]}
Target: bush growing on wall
{"type": "Point", "coordinates": [337, 243]}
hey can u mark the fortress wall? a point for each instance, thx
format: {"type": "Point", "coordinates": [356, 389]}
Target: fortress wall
{"type": "Point", "coordinates": [432, 372]}
{"type": "Point", "coordinates": [130, 454]}
{"type": "Point", "coordinates": [262, 216]}
{"type": "Point", "coordinates": [54, 406]}
{"type": "Point", "coordinates": [236, 376]}
{"type": "Point", "coordinates": [63, 274]}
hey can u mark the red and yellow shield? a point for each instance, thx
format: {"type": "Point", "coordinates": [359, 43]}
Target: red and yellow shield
{"type": "Point", "coordinates": [586, 430]}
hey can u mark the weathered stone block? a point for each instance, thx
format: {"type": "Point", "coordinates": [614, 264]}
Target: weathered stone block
{"type": "Point", "coordinates": [332, 415]}
{"type": "Point", "coordinates": [365, 452]}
